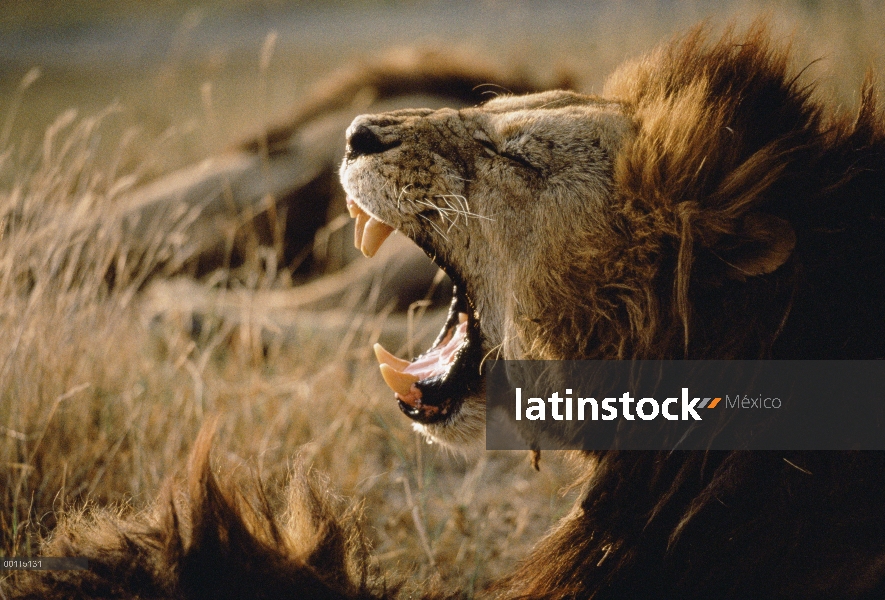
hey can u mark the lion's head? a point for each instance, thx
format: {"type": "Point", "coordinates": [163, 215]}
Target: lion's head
{"type": "Point", "coordinates": [482, 190]}
{"type": "Point", "coordinates": [657, 221]}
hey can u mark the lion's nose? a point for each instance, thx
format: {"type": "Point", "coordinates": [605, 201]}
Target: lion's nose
{"type": "Point", "coordinates": [362, 140]}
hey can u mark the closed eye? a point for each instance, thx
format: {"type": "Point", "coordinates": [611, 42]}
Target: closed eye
{"type": "Point", "coordinates": [491, 148]}
{"type": "Point", "coordinates": [520, 160]}
{"type": "Point", "coordinates": [488, 145]}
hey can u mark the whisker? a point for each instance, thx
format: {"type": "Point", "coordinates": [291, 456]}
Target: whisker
{"type": "Point", "coordinates": [399, 196]}
{"type": "Point", "coordinates": [464, 206]}
{"type": "Point", "coordinates": [435, 226]}
{"type": "Point", "coordinates": [497, 349]}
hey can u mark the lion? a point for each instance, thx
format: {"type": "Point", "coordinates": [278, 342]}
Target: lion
{"type": "Point", "coordinates": [706, 205]}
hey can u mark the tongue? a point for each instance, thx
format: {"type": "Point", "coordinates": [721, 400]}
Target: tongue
{"type": "Point", "coordinates": [402, 375]}
{"type": "Point", "coordinates": [439, 359]}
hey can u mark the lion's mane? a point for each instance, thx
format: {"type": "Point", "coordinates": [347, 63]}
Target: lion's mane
{"type": "Point", "coordinates": [734, 160]}
{"type": "Point", "coordinates": [755, 216]}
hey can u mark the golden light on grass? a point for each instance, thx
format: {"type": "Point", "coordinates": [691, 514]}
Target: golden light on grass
{"type": "Point", "coordinates": [101, 399]}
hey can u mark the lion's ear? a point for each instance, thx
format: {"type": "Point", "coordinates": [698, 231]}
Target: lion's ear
{"type": "Point", "coordinates": [765, 244]}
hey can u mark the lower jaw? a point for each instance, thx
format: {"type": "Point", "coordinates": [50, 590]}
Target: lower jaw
{"type": "Point", "coordinates": [463, 431]}
{"type": "Point", "coordinates": [433, 389]}
{"type": "Point", "coordinates": [441, 398]}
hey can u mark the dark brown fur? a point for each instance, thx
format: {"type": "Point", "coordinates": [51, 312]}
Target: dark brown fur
{"type": "Point", "coordinates": [731, 148]}
{"type": "Point", "coordinates": [209, 539]}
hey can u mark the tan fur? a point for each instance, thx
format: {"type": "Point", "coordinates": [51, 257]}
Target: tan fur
{"type": "Point", "coordinates": [476, 195]}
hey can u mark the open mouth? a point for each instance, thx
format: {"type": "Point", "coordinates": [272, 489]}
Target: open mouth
{"type": "Point", "coordinates": [431, 387]}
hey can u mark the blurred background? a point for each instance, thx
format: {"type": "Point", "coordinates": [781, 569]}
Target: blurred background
{"type": "Point", "coordinates": [217, 69]}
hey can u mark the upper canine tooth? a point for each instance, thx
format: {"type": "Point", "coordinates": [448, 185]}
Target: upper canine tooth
{"type": "Point", "coordinates": [374, 234]}
{"type": "Point", "coordinates": [361, 220]}
{"type": "Point", "coordinates": [384, 356]}
{"type": "Point", "coordinates": [353, 208]}
{"type": "Point", "coordinates": [399, 382]}
{"type": "Point", "coordinates": [462, 317]}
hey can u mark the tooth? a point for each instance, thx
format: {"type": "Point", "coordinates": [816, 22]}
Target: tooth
{"type": "Point", "coordinates": [374, 235]}
{"type": "Point", "coordinates": [384, 356]}
{"type": "Point", "coordinates": [353, 208]}
{"type": "Point", "coordinates": [361, 220]}
{"type": "Point", "coordinates": [462, 317]}
{"type": "Point", "coordinates": [399, 382]}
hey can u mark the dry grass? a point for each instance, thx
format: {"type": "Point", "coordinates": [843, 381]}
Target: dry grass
{"type": "Point", "coordinates": [99, 403]}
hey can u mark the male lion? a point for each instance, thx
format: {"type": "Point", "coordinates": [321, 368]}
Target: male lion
{"type": "Point", "coordinates": [707, 207]}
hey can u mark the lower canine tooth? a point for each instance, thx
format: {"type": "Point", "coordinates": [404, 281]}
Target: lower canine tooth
{"type": "Point", "coordinates": [385, 357]}
{"type": "Point", "coordinates": [399, 382]}
{"type": "Point", "coordinates": [374, 235]}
